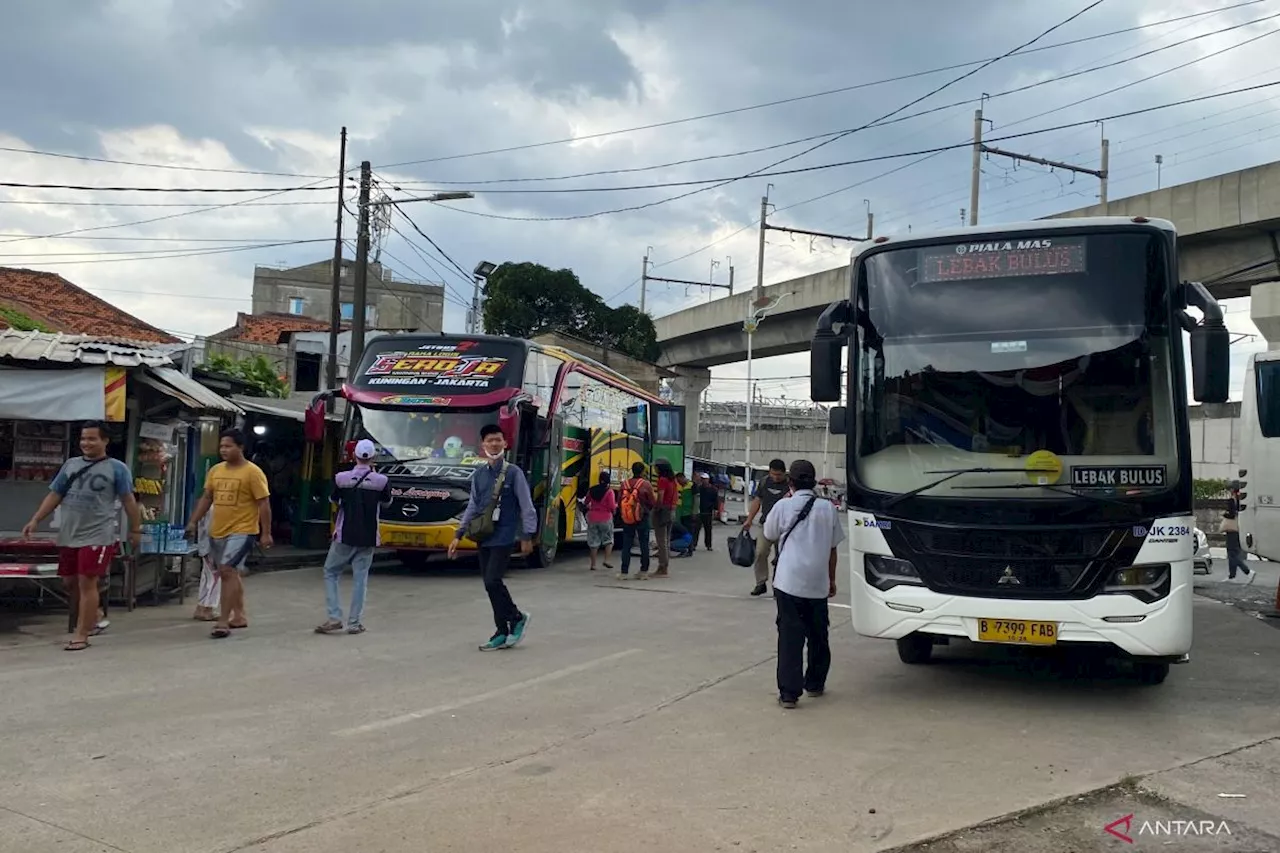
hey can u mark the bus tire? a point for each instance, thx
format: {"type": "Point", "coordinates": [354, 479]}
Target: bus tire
{"type": "Point", "coordinates": [544, 555]}
{"type": "Point", "coordinates": [915, 648]}
{"type": "Point", "coordinates": [1151, 672]}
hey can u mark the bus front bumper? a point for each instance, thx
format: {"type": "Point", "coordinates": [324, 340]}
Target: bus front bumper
{"type": "Point", "coordinates": [1162, 629]}
{"type": "Point", "coordinates": [421, 537]}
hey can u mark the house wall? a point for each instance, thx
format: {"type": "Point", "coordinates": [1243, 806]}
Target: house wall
{"type": "Point", "coordinates": [395, 302]}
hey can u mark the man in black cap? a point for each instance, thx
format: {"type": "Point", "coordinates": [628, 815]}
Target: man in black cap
{"type": "Point", "coordinates": [807, 531]}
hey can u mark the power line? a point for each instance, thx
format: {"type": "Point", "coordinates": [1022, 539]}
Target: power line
{"type": "Point", "coordinates": [87, 159]}
{"type": "Point", "coordinates": [717, 182]}
{"type": "Point", "coordinates": [465, 275]}
{"type": "Point", "coordinates": [194, 254]}
{"type": "Point", "coordinates": [43, 203]}
{"type": "Point", "coordinates": [244, 240]}
{"type": "Point", "coordinates": [835, 133]}
{"type": "Point", "coordinates": [783, 101]}
{"type": "Point", "coordinates": [380, 284]}
{"type": "Point", "coordinates": [458, 298]}
{"type": "Point", "coordinates": [86, 188]}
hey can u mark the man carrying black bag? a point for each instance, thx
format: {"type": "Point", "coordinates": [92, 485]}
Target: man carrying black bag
{"type": "Point", "coordinates": [807, 531]}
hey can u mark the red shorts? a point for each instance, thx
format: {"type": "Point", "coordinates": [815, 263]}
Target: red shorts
{"type": "Point", "coordinates": [89, 562]}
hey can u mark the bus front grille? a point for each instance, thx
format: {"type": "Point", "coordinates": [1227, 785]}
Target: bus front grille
{"type": "Point", "coordinates": [1012, 579]}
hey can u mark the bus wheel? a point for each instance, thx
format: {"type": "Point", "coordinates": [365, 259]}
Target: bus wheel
{"type": "Point", "coordinates": [915, 648]}
{"type": "Point", "coordinates": [1151, 672]}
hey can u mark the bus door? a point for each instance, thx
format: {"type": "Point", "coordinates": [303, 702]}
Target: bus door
{"type": "Point", "coordinates": [549, 456]}
{"type": "Point", "coordinates": [666, 427]}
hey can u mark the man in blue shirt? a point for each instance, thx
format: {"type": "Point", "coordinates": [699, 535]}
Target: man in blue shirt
{"type": "Point", "coordinates": [513, 517]}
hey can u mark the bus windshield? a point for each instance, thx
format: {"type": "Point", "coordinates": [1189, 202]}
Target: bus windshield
{"type": "Point", "coordinates": [404, 435]}
{"type": "Point", "coordinates": [1046, 361]}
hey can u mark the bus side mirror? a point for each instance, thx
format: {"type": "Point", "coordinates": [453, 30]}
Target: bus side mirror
{"type": "Point", "coordinates": [1210, 347]}
{"type": "Point", "coordinates": [838, 420]}
{"type": "Point", "coordinates": [826, 354]}
{"type": "Point", "coordinates": [1210, 362]}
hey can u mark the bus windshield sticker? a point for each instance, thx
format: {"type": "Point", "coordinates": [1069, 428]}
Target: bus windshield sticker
{"type": "Point", "coordinates": [1003, 259]}
{"type": "Point", "coordinates": [1118, 476]}
{"type": "Point", "coordinates": [443, 365]}
{"type": "Point", "coordinates": [1008, 346]}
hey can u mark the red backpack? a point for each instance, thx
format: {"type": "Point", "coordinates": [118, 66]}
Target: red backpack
{"type": "Point", "coordinates": [633, 511]}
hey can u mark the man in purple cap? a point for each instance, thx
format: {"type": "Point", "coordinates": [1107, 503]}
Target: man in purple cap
{"type": "Point", "coordinates": [359, 494]}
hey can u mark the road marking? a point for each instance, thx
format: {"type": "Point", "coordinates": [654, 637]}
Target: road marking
{"type": "Point", "coordinates": [484, 697]}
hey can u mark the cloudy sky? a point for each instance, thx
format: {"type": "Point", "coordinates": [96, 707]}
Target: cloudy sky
{"type": "Point", "coordinates": [447, 94]}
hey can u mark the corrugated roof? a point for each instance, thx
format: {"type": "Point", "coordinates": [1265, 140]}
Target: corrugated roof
{"type": "Point", "coordinates": [291, 408]}
{"type": "Point", "coordinates": [79, 349]}
{"type": "Point", "coordinates": [177, 384]}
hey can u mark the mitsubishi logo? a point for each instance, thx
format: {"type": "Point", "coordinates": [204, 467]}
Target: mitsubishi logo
{"type": "Point", "coordinates": [409, 510]}
{"type": "Point", "coordinates": [1009, 577]}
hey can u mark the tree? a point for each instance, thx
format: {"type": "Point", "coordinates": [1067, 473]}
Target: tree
{"type": "Point", "coordinates": [523, 300]}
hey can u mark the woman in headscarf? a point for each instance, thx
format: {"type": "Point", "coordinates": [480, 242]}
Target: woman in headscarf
{"type": "Point", "coordinates": [601, 503]}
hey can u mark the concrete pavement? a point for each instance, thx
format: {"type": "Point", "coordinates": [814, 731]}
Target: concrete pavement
{"type": "Point", "coordinates": [636, 716]}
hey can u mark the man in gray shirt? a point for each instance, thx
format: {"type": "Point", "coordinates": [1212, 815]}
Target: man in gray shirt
{"type": "Point", "coordinates": [90, 488]}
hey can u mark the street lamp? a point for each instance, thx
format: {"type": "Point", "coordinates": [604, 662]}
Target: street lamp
{"type": "Point", "coordinates": [758, 309]}
{"type": "Point", "coordinates": [483, 270]}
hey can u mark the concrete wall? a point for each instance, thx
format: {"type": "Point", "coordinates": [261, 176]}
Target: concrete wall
{"type": "Point", "coordinates": [1215, 441]}
{"type": "Point", "coordinates": [396, 303]}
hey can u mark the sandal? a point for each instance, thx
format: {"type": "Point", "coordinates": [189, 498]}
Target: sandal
{"type": "Point", "coordinates": [75, 646]}
{"type": "Point", "coordinates": [219, 633]}
{"type": "Point", "coordinates": [238, 626]}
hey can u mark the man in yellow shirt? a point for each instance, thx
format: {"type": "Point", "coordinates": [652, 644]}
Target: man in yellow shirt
{"type": "Point", "coordinates": [237, 491]}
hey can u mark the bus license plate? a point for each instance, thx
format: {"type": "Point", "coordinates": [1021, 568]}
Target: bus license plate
{"type": "Point", "coordinates": [1017, 631]}
{"type": "Point", "coordinates": [404, 540]}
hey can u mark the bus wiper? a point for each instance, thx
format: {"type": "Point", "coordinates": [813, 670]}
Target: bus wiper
{"type": "Point", "coordinates": [950, 475]}
{"type": "Point", "coordinates": [1066, 490]}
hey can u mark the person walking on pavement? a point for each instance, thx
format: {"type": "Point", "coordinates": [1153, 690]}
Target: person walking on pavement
{"type": "Point", "coordinates": [499, 512]}
{"type": "Point", "coordinates": [359, 494]}
{"type": "Point", "coordinates": [807, 531]}
{"type": "Point", "coordinates": [601, 504]}
{"type": "Point", "coordinates": [637, 505]}
{"type": "Point", "coordinates": [1236, 558]}
{"type": "Point", "coordinates": [88, 488]}
{"type": "Point", "coordinates": [664, 514]}
{"type": "Point", "coordinates": [769, 491]}
{"type": "Point", "coordinates": [236, 490]}
{"type": "Point", "coordinates": [706, 500]}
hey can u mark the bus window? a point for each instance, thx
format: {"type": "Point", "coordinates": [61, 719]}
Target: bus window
{"type": "Point", "coordinates": [1267, 378]}
{"type": "Point", "coordinates": [636, 421]}
{"type": "Point", "coordinates": [669, 426]}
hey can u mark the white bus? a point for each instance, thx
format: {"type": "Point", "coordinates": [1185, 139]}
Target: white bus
{"type": "Point", "coordinates": [1019, 466]}
{"type": "Point", "coordinates": [1260, 456]}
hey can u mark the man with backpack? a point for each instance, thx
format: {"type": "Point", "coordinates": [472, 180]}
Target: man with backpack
{"type": "Point", "coordinates": [359, 494]}
{"type": "Point", "coordinates": [500, 511]}
{"type": "Point", "coordinates": [807, 531]}
{"type": "Point", "coordinates": [637, 503]}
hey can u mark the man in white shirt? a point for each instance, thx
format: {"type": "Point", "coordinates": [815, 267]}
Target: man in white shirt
{"type": "Point", "coordinates": [807, 530]}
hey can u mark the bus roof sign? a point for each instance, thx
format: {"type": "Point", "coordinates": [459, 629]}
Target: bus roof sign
{"type": "Point", "coordinates": [1031, 256]}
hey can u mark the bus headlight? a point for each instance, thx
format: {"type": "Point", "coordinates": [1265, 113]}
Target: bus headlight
{"type": "Point", "coordinates": [885, 573]}
{"type": "Point", "coordinates": [1145, 583]}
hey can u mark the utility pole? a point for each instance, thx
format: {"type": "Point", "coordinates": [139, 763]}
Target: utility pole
{"type": "Point", "coordinates": [979, 149]}
{"type": "Point", "coordinates": [362, 269]}
{"type": "Point", "coordinates": [764, 227]}
{"type": "Point", "coordinates": [335, 298]}
{"type": "Point", "coordinates": [644, 276]}
{"type": "Point", "coordinates": [975, 179]}
{"type": "Point", "coordinates": [1159, 163]}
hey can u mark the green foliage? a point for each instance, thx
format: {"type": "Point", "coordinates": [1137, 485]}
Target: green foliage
{"type": "Point", "coordinates": [524, 300]}
{"type": "Point", "coordinates": [1206, 490]}
{"type": "Point", "coordinates": [256, 372]}
{"type": "Point", "coordinates": [21, 322]}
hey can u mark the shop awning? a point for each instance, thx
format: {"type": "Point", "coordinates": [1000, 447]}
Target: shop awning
{"type": "Point", "coordinates": [191, 393]}
{"type": "Point", "coordinates": [74, 394]}
{"type": "Point", "coordinates": [293, 408]}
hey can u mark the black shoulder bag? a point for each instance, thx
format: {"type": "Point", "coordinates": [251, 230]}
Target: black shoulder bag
{"type": "Point", "coordinates": [804, 513]}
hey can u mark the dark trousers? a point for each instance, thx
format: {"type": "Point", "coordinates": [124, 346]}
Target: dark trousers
{"type": "Point", "coordinates": [493, 565]}
{"type": "Point", "coordinates": [1236, 558]}
{"type": "Point", "coordinates": [704, 521]}
{"type": "Point", "coordinates": [631, 533]}
{"type": "Point", "coordinates": [802, 620]}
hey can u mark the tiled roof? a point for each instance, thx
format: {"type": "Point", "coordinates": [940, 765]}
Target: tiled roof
{"type": "Point", "coordinates": [268, 327]}
{"type": "Point", "coordinates": [52, 301]}
{"type": "Point", "coordinates": [79, 349]}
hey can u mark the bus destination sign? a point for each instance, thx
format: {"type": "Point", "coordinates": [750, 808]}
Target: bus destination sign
{"type": "Point", "coordinates": [1003, 259]}
{"type": "Point", "coordinates": [452, 365]}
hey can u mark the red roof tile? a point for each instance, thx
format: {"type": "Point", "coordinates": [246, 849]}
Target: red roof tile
{"type": "Point", "coordinates": [55, 302]}
{"type": "Point", "coordinates": [268, 327]}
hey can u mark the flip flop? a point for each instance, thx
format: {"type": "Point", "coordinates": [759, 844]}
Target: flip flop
{"type": "Point", "coordinates": [75, 646]}
{"type": "Point", "coordinates": [219, 633]}
{"type": "Point", "coordinates": [241, 625]}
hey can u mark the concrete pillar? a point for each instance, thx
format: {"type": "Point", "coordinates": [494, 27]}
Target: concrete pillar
{"type": "Point", "coordinates": [686, 390]}
{"type": "Point", "coordinates": [1264, 311]}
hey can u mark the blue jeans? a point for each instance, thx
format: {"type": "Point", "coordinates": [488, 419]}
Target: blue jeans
{"type": "Point", "coordinates": [359, 559]}
{"type": "Point", "coordinates": [630, 533]}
